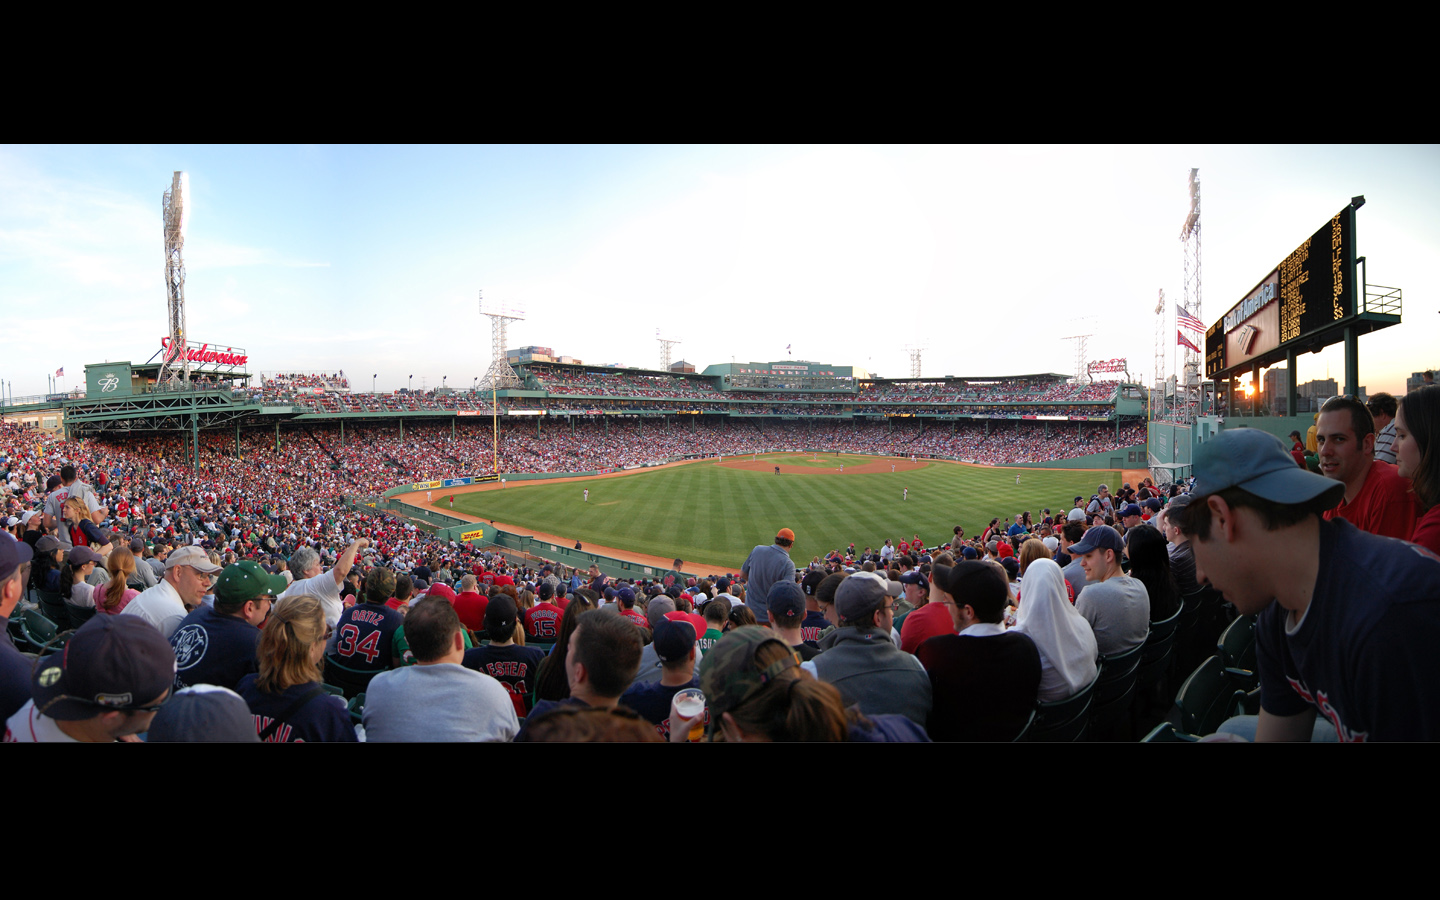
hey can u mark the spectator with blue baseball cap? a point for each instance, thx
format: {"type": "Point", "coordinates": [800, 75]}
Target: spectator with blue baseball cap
{"type": "Point", "coordinates": [1330, 640]}
{"type": "Point", "coordinates": [1116, 605]}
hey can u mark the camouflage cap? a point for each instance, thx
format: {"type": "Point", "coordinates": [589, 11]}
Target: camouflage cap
{"type": "Point", "coordinates": [728, 673]}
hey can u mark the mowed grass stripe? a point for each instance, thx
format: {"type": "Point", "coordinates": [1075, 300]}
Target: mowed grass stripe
{"type": "Point", "coordinates": [712, 514]}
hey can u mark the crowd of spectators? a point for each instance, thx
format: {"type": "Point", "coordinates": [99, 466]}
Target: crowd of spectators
{"type": "Point", "coordinates": [619, 384]}
{"type": "Point", "coordinates": [283, 381]}
{"type": "Point", "coordinates": [249, 579]}
{"type": "Point", "coordinates": [1045, 390]}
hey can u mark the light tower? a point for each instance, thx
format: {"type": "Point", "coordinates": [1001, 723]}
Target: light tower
{"type": "Point", "coordinates": [915, 351]}
{"type": "Point", "coordinates": [1161, 343]}
{"type": "Point", "coordinates": [175, 214]}
{"type": "Point", "coordinates": [1190, 237]}
{"type": "Point", "coordinates": [666, 346]}
{"type": "Point", "coordinates": [1082, 348]}
{"type": "Point", "coordinates": [499, 376]}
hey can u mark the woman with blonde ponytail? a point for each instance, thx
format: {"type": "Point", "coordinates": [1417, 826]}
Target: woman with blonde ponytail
{"type": "Point", "coordinates": [112, 596]}
{"type": "Point", "coordinates": [285, 696]}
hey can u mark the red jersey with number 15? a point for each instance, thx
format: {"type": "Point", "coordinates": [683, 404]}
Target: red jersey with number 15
{"type": "Point", "coordinates": [542, 621]}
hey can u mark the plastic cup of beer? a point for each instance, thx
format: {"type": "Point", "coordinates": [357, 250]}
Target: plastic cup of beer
{"type": "Point", "coordinates": [690, 703]}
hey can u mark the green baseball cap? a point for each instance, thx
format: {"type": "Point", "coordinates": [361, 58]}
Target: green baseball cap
{"type": "Point", "coordinates": [246, 581]}
{"type": "Point", "coordinates": [728, 673]}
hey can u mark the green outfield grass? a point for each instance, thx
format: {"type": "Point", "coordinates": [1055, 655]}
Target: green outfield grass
{"type": "Point", "coordinates": [714, 515]}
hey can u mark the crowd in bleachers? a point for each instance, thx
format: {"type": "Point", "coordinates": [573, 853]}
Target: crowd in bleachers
{"type": "Point", "coordinates": [621, 384]}
{"type": "Point", "coordinates": [1010, 391]}
{"type": "Point", "coordinates": [293, 381]}
{"type": "Point", "coordinates": [1085, 619]}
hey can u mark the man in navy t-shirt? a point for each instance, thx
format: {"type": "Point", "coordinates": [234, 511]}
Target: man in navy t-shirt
{"type": "Point", "coordinates": [1348, 621]}
{"type": "Point", "coordinates": [217, 646]}
{"type": "Point", "coordinates": [502, 659]}
{"type": "Point", "coordinates": [15, 668]}
{"type": "Point", "coordinates": [675, 645]}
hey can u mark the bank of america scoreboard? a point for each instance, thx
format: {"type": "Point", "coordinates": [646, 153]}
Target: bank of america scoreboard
{"type": "Point", "coordinates": [1310, 290]}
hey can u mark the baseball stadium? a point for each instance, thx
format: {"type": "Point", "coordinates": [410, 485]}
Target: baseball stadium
{"type": "Point", "coordinates": [642, 466]}
{"type": "Point", "coordinates": [206, 545]}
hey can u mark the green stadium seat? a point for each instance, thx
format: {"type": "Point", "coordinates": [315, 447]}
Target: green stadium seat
{"type": "Point", "coordinates": [1159, 646]}
{"type": "Point", "coordinates": [15, 625]}
{"type": "Point", "coordinates": [357, 707]}
{"type": "Point", "coordinates": [41, 633]}
{"type": "Point", "coordinates": [1114, 691]}
{"type": "Point", "coordinates": [1024, 731]}
{"type": "Point", "coordinates": [1165, 733]}
{"type": "Point", "coordinates": [1208, 696]}
{"type": "Point", "coordinates": [1245, 703]}
{"type": "Point", "coordinates": [1237, 644]}
{"type": "Point", "coordinates": [1063, 721]}
{"type": "Point", "coordinates": [332, 689]}
{"type": "Point", "coordinates": [53, 606]}
{"type": "Point", "coordinates": [78, 615]}
{"type": "Point", "coordinates": [349, 682]}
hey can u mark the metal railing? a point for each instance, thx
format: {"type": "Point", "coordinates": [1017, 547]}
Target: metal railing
{"type": "Point", "coordinates": [1382, 299]}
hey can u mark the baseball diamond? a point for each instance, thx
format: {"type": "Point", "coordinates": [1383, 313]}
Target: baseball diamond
{"type": "Point", "coordinates": [712, 513]}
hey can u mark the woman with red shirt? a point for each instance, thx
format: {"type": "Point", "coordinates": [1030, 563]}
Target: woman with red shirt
{"type": "Point", "coordinates": [1417, 451]}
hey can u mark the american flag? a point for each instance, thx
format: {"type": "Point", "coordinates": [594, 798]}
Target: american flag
{"type": "Point", "coordinates": [1182, 341]}
{"type": "Point", "coordinates": [1184, 320]}
{"type": "Point", "coordinates": [60, 372]}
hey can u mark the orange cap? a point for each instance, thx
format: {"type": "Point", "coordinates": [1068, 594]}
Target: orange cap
{"type": "Point", "coordinates": [787, 534]}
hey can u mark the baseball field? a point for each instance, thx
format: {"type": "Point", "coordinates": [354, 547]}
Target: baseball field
{"type": "Point", "coordinates": [714, 512]}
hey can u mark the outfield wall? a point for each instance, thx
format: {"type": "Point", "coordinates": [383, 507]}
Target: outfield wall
{"type": "Point", "coordinates": [1172, 446]}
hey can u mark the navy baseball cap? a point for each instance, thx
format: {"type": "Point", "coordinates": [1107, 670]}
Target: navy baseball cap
{"type": "Point", "coordinates": [13, 555]}
{"type": "Point", "coordinates": [674, 639]}
{"type": "Point", "coordinates": [204, 713]}
{"type": "Point", "coordinates": [111, 663]}
{"type": "Point", "coordinates": [1255, 461]}
{"type": "Point", "coordinates": [1101, 537]}
{"type": "Point", "coordinates": [915, 576]}
{"type": "Point", "coordinates": [786, 602]}
{"type": "Point", "coordinates": [1133, 509]}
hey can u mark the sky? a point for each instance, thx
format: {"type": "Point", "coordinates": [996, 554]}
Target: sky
{"type": "Point", "coordinates": [371, 259]}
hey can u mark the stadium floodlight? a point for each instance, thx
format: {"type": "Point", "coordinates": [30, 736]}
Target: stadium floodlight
{"type": "Point", "coordinates": [186, 202]}
{"type": "Point", "coordinates": [499, 376]}
{"type": "Point", "coordinates": [174, 215]}
{"type": "Point", "coordinates": [667, 349]}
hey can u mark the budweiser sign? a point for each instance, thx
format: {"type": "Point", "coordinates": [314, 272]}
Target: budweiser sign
{"type": "Point", "coordinates": [204, 354]}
